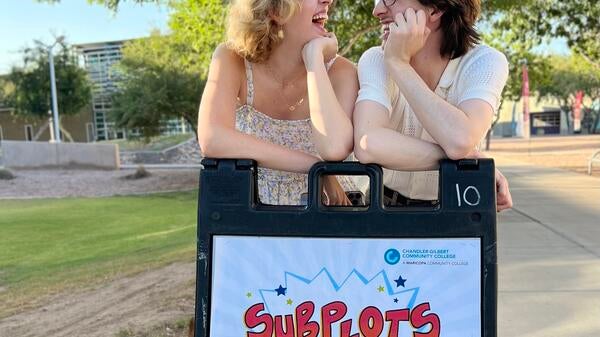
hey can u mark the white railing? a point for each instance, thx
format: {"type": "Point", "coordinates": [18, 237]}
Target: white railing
{"type": "Point", "coordinates": [594, 159]}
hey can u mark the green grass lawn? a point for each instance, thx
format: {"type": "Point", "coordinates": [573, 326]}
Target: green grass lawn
{"type": "Point", "coordinates": [51, 245]}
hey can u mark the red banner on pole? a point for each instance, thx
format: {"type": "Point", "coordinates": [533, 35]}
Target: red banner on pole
{"type": "Point", "coordinates": [577, 111]}
{"type": "Point", "coordinates": [525, 93]}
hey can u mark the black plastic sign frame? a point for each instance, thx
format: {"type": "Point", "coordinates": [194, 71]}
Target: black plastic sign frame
{"type": "Point", "coordinates": [228, 205]}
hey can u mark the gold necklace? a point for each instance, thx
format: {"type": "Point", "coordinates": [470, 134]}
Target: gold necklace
{"type": "Point", "coordinates": [282, 83]}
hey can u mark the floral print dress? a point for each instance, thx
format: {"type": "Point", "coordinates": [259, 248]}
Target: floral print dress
{"type": "Point", "coordinates": [279, 187]}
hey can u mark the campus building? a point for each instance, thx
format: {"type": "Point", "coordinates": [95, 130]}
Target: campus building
{"type": "Point", "coordinates": [77, 128]}
{"type": "Point", "coordinates": [93, 123]}
{"type": "Point", "coordinates": [546, 118]}
{"type": "Point", "coordinates": [99, 59]}
{"type": "Point", "coordinates": [13, 126]}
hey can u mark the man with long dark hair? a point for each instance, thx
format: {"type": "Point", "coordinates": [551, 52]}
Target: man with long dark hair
{"type": "Point", "coordinates": [429, 92]}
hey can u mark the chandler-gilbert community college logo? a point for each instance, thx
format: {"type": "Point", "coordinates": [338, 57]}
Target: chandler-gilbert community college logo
{"type": "Point", "coordinates": [301, 287]}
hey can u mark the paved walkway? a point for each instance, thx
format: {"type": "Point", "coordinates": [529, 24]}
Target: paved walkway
{"type": "Point", "coordinates": [549, 254]}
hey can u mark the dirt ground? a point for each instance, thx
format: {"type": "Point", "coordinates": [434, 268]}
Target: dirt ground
{"type": "Point", "coordinates": [94, 183]}
{"type": "Point", "coordinates": [117, 309]}
{"type": "Point", "coordinates": [569, 152]}
{"type": "Point", "coordinates": [129, 306]}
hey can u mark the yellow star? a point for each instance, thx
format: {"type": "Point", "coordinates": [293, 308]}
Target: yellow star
{"type": "Point", "coordinates": [289, 301]}
{"type": "Point", "coordinates": [248, 294]}
{"type": "Point", "coordinates": [381, 289]}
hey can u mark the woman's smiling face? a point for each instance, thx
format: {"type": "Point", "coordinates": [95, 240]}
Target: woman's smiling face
{"type": "Point", "coordinates": [309, 22]}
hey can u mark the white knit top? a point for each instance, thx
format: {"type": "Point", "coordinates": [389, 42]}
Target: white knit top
{"type": "Point", "coordinates": [479, 74]}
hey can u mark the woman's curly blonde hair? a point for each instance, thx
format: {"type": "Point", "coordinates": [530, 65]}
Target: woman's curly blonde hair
{"type": "Point", "coordinates": [251, 30]}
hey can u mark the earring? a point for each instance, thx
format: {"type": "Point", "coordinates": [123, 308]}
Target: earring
{"type": "Point", "coordinates": [280, 33]}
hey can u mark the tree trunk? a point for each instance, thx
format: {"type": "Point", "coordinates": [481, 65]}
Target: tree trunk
{"type": "Point", "coordinates": [488, 136]}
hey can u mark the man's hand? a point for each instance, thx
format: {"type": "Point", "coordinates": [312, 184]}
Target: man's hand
{"type": "Point", "coordinates": [407, 37]}
{"type": "Point", "coordinates": [503, 197]}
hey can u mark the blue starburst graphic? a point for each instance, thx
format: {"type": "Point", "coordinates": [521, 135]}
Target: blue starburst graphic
{"type": "Point", "coordinates": [337, 285]}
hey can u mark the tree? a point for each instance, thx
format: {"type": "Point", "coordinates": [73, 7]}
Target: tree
{"type": "Point", "coordinates": [157, 64]}
{"type": "Point", "coordinates": [578, 22]}
{"type": "Point", "coordinates": [157, 84]}
{"type": "Point", "coordinates": [199, 25]}
{"type": "Point", "coordinates": [31, 94]}
{"type": "Point", "coordinates": [518, 52]}
{"type": "Point", "coordinates": [164, 75]}
{"type": "Point", "coordinates": [6, 89]}
{"type": "Point", "coordinates": [569, 75]}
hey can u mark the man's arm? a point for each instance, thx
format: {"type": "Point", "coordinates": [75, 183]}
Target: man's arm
{"type": "Point", "coordinates": [458, 130]}
{"type": "Point", "coordinates": [375, 142]}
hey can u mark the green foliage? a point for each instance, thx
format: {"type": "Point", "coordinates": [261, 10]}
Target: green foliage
{"type": "Point", "coordinates": [538, 20]}
{"type": "Point", "coordinates": [6, 89]}
{"type": "Point", "coordinates": [140, 173]}
{"type": "Point", "coordinates": [567, 76]}
{"type": "Point", "coordinates": [518, 53]}
{"type": "Point", "coordinates": [164, 75]}
{"type": "Point", "coordinates": [31, 94]}
{"type": "Point", "coordinates": [515, 27]}
{"type": "Point", "coordinates": [6, 174]}
{"type": "Point", "coordinates": [159, 82]}
{"type": "Point", "coordinates": [355, 27]}
{"type": "Point", "coordinates": [200, 26]}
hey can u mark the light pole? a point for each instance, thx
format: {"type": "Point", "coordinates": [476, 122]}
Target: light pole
{"type": "Point", "coordinates": [53, 89]}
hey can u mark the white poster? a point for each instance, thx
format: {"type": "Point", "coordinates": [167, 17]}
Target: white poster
{"type": "Point", "coordinates": [321, 287]}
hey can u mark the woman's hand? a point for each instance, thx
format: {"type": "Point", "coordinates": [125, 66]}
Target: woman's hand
{"type": "Point", "coordinates": [336, 196]}
{"type": "Point", "coordinates": [321, 49]}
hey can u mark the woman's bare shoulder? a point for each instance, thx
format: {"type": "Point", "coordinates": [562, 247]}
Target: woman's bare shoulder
{"type": "Point", "coordinates": [228, 57]}
{"type": "Point", "coordinates": [343, 68]}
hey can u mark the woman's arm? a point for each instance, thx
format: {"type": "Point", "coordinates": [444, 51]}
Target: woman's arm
{"type": "Point", "coordinates": [331, 99]}
{"type": "Point", "coordinates": [217, 134]}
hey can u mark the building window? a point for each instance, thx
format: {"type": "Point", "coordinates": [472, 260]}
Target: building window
{"type": "Point", "coordinates": [28, 132]}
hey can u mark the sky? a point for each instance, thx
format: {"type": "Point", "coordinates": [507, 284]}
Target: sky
{"type": "Point", "coordinates": [22, 21]}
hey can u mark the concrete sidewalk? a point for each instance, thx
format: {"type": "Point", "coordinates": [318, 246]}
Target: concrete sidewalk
{"type": "Point", "coordinates": [549, 254]}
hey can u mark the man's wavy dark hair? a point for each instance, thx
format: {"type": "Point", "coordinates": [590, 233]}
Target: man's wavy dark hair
{"type": "Point", "coordinates": [457, 24]}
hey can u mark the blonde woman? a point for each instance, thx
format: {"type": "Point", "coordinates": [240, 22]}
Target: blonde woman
{"type": "Point", "coordinates": [278, 93]}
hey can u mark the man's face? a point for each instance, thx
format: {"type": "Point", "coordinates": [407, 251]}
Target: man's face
{"type": "Point", "coordinates": [386, 11]}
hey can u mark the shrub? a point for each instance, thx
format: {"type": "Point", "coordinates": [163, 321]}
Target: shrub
{"type": "Point", "coordinates": [140, 173]}
{"type": "Point", "coordinates": [6, 174]}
